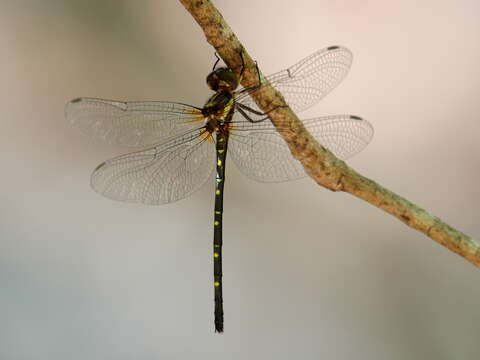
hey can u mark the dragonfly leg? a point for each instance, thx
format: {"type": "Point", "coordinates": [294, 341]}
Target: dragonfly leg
{"type": "Point", "coordinates": [216, 62]}
{"type": "Point", "coordinates": [244, 114]}
{"type": "Point", "coordinates": [253, 87]}
{"type": "Point", "coordinates": [242, 70]}
{"type": "Point", "coordinates": [242, 108]}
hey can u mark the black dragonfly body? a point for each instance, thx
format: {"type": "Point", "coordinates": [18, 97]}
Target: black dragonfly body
{"type": "Point", "coordinates": [181, 142]}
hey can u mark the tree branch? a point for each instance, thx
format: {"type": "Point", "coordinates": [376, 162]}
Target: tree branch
{"type": "Point", "coordinates": [319, 163]}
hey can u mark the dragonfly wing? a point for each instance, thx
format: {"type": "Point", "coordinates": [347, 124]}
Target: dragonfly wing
{"type": "Point", "coordinates": [135, 123]}
{"type": "Point", "coordinates": [264, 156]}
{"type": "Point", "coordinates": [159, 175]}
{"type": "Point", "coordinates": [260, 152]}
{"type": "Point", "coordinates": [344, 135]}
{"type": "Point", "coordinates": [307, 82]}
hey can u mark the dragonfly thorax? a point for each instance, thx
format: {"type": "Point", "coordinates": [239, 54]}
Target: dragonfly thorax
{"type": "Point", "coordinates": [219, 108]}
{"type": "Point", "coordinates": [222, 78]}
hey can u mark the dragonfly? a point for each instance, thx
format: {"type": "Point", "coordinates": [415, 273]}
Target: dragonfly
{"type": "Point", "coordinates": [181, 146]}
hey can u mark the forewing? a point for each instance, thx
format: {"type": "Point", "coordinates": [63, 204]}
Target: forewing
{"type": "Point", "coordinates": [135, 123]}
{"type": "Point", "coordinates": [162, 174]}
{"type": "Point", "coordinates": [261, 153]}
{"type": "Point", "coordinates": [307, 82]}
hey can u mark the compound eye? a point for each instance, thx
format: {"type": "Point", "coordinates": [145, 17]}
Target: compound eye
{"type": "Point", "coordinates": [213, 81]}
{"type": "Point", "coordinates": [229, 79]}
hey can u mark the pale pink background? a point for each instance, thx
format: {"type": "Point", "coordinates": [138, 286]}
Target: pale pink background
{"type": "Point", "coordinates": [309, 274]}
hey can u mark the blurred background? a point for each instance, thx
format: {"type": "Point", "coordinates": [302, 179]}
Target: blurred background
{"type": "Point", "coordinates": [308, 273]}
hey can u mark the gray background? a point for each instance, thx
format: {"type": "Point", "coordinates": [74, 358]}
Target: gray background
{"type": "Point", "coordinates": [309, 273]}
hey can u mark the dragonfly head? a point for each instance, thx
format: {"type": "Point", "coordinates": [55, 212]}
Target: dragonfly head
{"type": "Point", "coordinates": [222, 78]}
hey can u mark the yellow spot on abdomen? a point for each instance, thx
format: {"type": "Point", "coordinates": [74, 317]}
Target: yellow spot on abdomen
{"type": "Point", "coordinates": [216, 223]}
{"type": "Point", "coordinates": [219, 162]}
{"type": "Point", "coordinates": [215, 255]}
{"type": "Point", "coordinates": [217, 192]}
{"type": "Point", "coordinates": [221, 151]}
{"type": "Point", "coordinates": [216, 284]}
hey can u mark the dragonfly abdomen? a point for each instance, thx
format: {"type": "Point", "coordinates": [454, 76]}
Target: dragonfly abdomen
{"type": "Point", "coordinates": [221, 149]}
